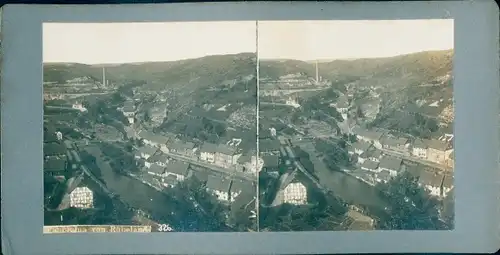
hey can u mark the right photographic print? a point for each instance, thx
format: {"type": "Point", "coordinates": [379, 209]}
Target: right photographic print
{"type": "Point", "coordinates": [356, 125]}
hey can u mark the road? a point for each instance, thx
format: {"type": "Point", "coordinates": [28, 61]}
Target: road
{"type": "Point", "coordinates": [231, 172]}
{"type": "Point", "coordinates": [52, 107]}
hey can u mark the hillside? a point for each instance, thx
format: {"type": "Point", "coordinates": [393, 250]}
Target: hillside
{"type": "Point", "coordinates": [158, 75]}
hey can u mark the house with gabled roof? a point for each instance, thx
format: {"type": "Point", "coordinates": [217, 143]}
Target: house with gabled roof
{"type": "Point", "coordinates": [219, 187]}
{"type": "Point", "coordinates": [438, 151]}
{"type": "Point", "coordinates": [432, 182]}
{"type": "Point", "coordinates": [55, 167]}
{"type": "Point", "coordinates": [145, 152]}
{"type": "Point", "coordinates": [359, 147]}
{"type": "Point", "coordinates": [419, 149]}
{"type": "Point", "coordinates": [155, 170]}
{"type": "Point", "coordinates": [158, 159]}
{"type": "Point", "coordinates": [391, 165]}
{"type": "Point", "coordinates": [207, 152]}
{"type": "Point", "coordinates": [178, 168]}
{"type": "Point", "coordinates": [186, 149]}
{"type": "Point", "coordinates": [371, 136]}
{"type": "Point", "coordinates": [397, 144]}
{"type": "Point", "coordinates": [369, 165]}
{"type": "Point", "coordinates": [152, 139]}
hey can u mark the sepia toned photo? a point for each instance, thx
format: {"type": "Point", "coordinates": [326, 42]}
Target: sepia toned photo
{"type": "Point", "coordinates": [356, 125]}
{"type": "Point", "coordinates": [150, 127]}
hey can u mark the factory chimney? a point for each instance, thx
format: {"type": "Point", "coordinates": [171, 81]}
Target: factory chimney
{"type": "Point", "coordinates": [317, 73]}
{"type": "Point", "coordinates": [104, 76]}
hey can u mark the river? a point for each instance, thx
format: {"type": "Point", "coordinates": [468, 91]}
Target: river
{"type": "Point", "coordinates": [141, 196]}
{"type": "Point", "coordinates": [350, 189]}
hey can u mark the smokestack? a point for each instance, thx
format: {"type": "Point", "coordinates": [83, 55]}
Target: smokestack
{"type": "Point", "coordinates": [103, 76]}
{"type": "Point", "coordinates": [317, 73]}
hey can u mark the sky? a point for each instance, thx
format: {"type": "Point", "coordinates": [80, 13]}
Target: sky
{"type": "Point", "coordinates": [329, 40]}
{"type": "Point", "coordinates": [108, 43]}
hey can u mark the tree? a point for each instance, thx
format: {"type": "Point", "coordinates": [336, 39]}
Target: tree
{"type": "Point", "coordinates": [411, 208]}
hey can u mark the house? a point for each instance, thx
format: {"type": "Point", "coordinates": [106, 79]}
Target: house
{"type": "Point", "coordinates": [374, 155]}
{"type": "Point", "coordinates": [219, 187]}
{"type": "Point", "coordinates": [295, 193]}
{"type": "Point", "coordinates": [390, 164]}
{"type": "Point", "coordinates": [169, 181]}
{"type": "Point", "coordinates": [179, 169]}
{"type": "Point", "coordinates": [383, 177]}
{"type": "Point", "coordinates": [82, 197]}
{"type": "Point", "coordinates": [359, 147]}
{"type": "Point", "coordinates": [448, 184]}
{"type": "Point", "coordinates": [53, 150]}
{"type": "Point", "coordinates": [158, 159]}
{"type": "Point", "coordinates": [432, 182]}
{"type": "Point", "coordinates": [248, 163]}
{"type": "Point", "coordinates": [155, 170]}
{"type": "Point", "coordinates": [55, 167]}
{"type": "Point", "coordinates": [395, 144]}
{"type": "Point", "coordinates": [419, 149]}
{"type": "Point", "coordinates": [239, 187]}
{"type": "Point", "coordinates": [154, 140]}
{"type": "Point", "coordinates": [342, 104]}
{"type": "Point", "coordinates": [269, 146]}
{"type": "Point", "coordinates": [145, 152]}
{"type": "Point", "coordinates": [438, 151]}
{"type": "Point", "coordinates": [207, 152]}
{"type": "Point", "coordinates": [226, 156]}
{"type": "Point", "coordinates": [369, 165]}
{"type": "Point", "coordinates": [201, 176]}
{"type": "Point", "coordinates": [186, 149]}
{"type": "Point", "coordinates": [50, 137]}
{"type": "Point", "coordinates": [368, 136]}
{"type": "Point", "coordinates": [129, 111]}
{"type": "Point", "coordinates": [271, 162]}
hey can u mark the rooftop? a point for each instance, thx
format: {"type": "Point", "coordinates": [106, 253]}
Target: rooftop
{"type": "Point", "coordinates": [361, 145]}
{"type": "Point", "coordinates": [269, 145]}
{"type": "Point", "coordinates": [54, 165]}
{"type": "Point", "coordinates": [370, 134]}
{"type": "Point", "coordinates": [170, 179]}
{"type": "Point", "coordinates": [391, 163]}
{"type": "Point", "coordinates": [226, 149]}
{"type": "Point", "coordinates": [271, 161]}
{"type": "Point", "coordinates": [209, 147]}
{"type": "Point", "coordinates": [385, 176]}
{"type": "Point", "coordinates": [218, 183]}
{"type": "Point", "coordinates": [147, 149]}
{"type": "Point", "coordinates": [368, 164]}
{"type": "Point", "coordinates": [419, 143]}
{"type": "Point", "coordinates": [178, 167]}
{"type": "Point", "coordinates": [156, 138]}
{"type": "Point", "coordinates": [431, 179]}
{"type": "Point", "coordinates": [243, 186]}
{"type": "Point", "coordinates": [156, 169]}
{"type": "Point", "coordinates": [201, 176]}
{"type": "Point", "coordinates": [158, 158]}
{"type": "Point", "coordinates": [180, 145]}
{"type": "Point", "coordinates": [438, 145]}
{"type": "Point", "coordinates": [393, 141]}
{"type": "Point", "coordinates": [51, 149]}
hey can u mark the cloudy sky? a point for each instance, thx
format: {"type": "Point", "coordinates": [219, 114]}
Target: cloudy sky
{"type": "Point", "coordinates": [94, 43]}
{"type": "Point", "coordinates": [309, 40]}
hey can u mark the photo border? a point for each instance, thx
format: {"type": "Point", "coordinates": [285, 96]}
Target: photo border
{"type": "Point", "coordinates": [476, 63]}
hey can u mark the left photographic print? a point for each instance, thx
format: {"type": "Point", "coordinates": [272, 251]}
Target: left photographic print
{"type": "Point", "coordinates": [150, 127]}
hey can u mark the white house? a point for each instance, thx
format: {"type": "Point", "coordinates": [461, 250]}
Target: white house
{"type": "Point", "coordinates": [383, 176]}
{"type": "Point", "coordinates": [179, 169]}
{"type": "Point", "coordinates": [439, 151]}
{"type": "Point", "coordinates": [207, 152]}
{"type": "Point", "coordinates": [295, 193]}
{"type": "Point", "coordinates": [391, 165]}
{"type": "Point", "coordinates": [432, 182]}
{"type": "Point", "coordinates": [419, 149]}
{"type": "Point", "coordinates": [79, 106]}
{"type": "Point", "coordinates": [368, 136]}
{"type": "Point", "coordinates": [155, 170]}
{"type": "Point", "coordinates": [154, 140]}
{"type": "Point", "coordinates": [158, 159]}
{"type": "Point", "coordinates": [369, 165]}
{"type": "Point", "coordinates": [219, 187]}
{"type": "Point", "coordinates": [82, 197]}
{"type": "Point", "coordinates": [145, 152]}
